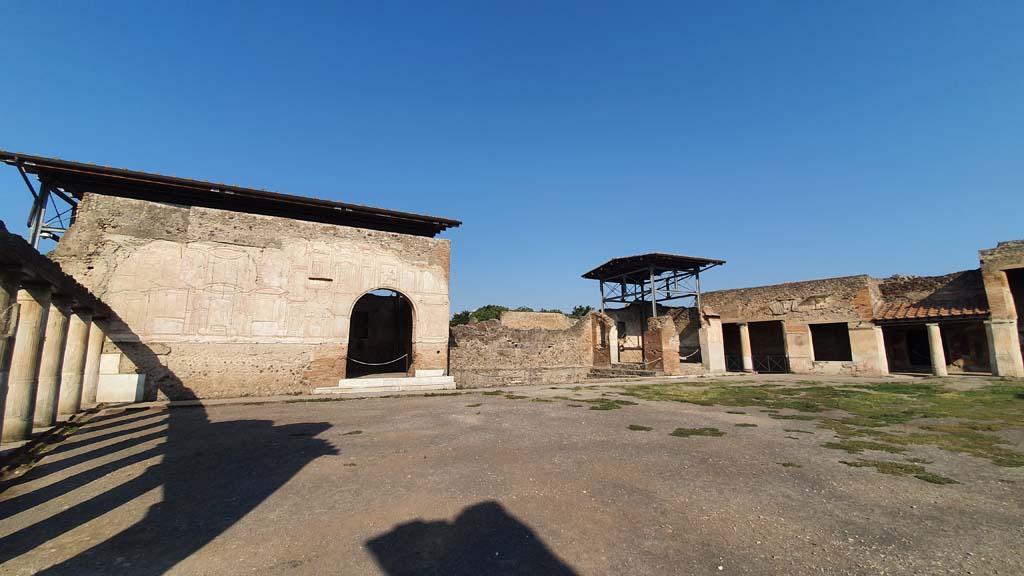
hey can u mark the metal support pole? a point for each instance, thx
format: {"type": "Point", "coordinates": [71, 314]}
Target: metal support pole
{"type": "Point", "coordinates": [654, 294]}
{"type": "Point", "coordinates": [602, 296]}
{"type": "Point", "coordinates": [37, 217]}
{"type": "Point", "coordinates": [700, 309]}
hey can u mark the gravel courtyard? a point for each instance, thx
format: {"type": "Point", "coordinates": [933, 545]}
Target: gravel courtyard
{"type": "Point", "coordinates": [609, 479]}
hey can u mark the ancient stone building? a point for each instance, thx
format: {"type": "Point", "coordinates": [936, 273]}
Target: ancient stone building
{"type": "Point", "coordinates": [964, 322]}
{"type": "Point", "coordinates": [225, 291]}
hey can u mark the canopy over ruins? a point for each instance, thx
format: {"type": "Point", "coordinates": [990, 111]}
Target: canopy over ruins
{"type": "Point", "coordinates": [656, 277]}
{"type": "Point", "coordinates": [70, 181]}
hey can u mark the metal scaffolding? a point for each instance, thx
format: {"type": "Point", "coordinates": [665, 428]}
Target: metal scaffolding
{"type": "Point", "coordinates": [653, 278]}
{"type": "Point", "coordinates": [39, 225]}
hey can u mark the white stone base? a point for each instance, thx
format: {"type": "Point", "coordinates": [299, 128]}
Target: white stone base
{"type": "Point", "coordinates": [120, 388]}
{"type": "Point", "coordinates": [375, 385]}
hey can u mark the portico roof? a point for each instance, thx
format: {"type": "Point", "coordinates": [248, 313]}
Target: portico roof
{"type": "Point", "coordinates": [74, 179]}
{"type": "Point", "coordinates": [638, 268]}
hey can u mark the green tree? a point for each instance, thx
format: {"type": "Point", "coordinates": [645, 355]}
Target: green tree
{"type": "Point", "coordinates": [489, 312]}
{"type": "Point", "coordinates": [523, 309]}
{"type": "Point", "coordinates": [580, 311]}
{"type": "Point", "coordinates": [461, 318]}
{"type": "Point", "coordinates": [552, 310]}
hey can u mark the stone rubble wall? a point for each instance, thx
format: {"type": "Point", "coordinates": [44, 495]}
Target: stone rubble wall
{"type": "Point", "coordinates": [492, 353]}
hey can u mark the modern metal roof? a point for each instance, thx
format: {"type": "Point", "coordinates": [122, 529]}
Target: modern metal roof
{"type": "Point", "coordinates": [637, 269]}
{"type": "Point", "coordinates": [77, 178]}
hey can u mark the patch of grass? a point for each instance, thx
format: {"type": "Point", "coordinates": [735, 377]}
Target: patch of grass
{"type": "Point", "coordinates": [493, 393]}
{"type": "Point", "coordinates": [349, 464]}
{"type": "Point", "coordinates": [352, 433]}
{"type": "Point", "coordinates": [789, 465]}
{"type": "Point", "coordinates": [746, 425]}
{"type": "Point", "coordinates": [575, 405]}
{"type": "Point", "coordinates": [608, 404]}
{"type": "Point", "coordinates": [515, 397]}
{"type": "Point", "coordinates": [899, 469]}
{"type": "Point", "coordinates": [640, 428]}
{"type": "Point", "coordinates": [70, 428]}
{"type": "Point", "coordinates": [687, 432]}
{"type": "Point", "coordinates": [541, 400]}
{"type": "Point", "coordinates": [735, 412]}
{"type": "Point", "coordinates": [918, 460]}
{"type": "Point", "coordinates": [797, 430]}
{"type": "Point", "coordinates": [875, 409]}
{"type": "Point", "coordinates": [473, 405]}
{"type": "Point", "coordinates": [859, 446]}
{"type": "Point", "coordinates": [561, 398]}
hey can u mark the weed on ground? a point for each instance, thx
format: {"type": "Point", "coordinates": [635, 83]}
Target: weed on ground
{"type": "Point", "coordinates": [746, 425]}
{"type": "Point", "coordinates": [640, 428]}
{"type": "Point", "coordinates": [898, 469]}
{"type": "Point", "coordinates": [687, 432]}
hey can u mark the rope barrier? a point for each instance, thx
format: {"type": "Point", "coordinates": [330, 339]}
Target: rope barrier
{"type": "Point", "coordinates": [378, 363]}
{"type": "Point", "coordinates": [690, 355]}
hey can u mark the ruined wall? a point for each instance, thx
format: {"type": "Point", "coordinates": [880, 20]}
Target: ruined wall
{"type": "Point", "coordinates": [630, 342]}
{"type": "Point", "coordinates": [661, 345]}
{"type": "Point", "coordinates": [488, 354]}
{"type": "Point", "coordinates": [1005, 329]}
{"type": "Point", "coordinates": [224, 304]}
{"type": "Point", "coordinates": [529, 320]}
{"type": "Point", "coordinates": [830, 300]}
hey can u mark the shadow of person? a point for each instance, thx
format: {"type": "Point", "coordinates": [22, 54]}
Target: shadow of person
{"type": "Point", "coordinates": [211, 474]}
{"type": "Point", "coordinates": [483, 539]}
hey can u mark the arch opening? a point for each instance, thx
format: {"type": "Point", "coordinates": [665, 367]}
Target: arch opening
{"type": "Point", "coordinates": [380, 335]}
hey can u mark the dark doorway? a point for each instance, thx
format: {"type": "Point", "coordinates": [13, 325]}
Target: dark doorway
{"type": "Point", "coordinates": [733, 350]}
{"type": "Point", "coordinates": [768, 347]}
{"type": "Point", "coordinates": [1015, 279]}
{"type": "Point", "coordinates": [380, 335]}
{"type": "Point", "coordinates": [907, 348]}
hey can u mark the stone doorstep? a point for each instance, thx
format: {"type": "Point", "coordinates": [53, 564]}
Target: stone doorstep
{"type": "Point", "coordinates": [363, 385]}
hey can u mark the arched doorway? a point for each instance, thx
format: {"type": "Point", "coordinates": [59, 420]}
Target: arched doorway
{"type": "Point", "coordinates": [380, 335]}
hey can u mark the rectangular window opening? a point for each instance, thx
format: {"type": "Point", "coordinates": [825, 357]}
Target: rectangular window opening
{"type": "Point", "coordinates": [831, 342]}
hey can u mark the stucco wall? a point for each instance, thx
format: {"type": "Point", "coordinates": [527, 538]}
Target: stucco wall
{"type": "Point", "coordinates": [226, 304]}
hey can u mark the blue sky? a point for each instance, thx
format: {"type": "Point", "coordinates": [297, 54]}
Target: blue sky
{"type": "Point", "coordinates": [795, 140]}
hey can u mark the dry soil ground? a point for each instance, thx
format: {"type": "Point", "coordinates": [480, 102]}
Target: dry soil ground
{"type": "Point", "coordinates": [527, 481]}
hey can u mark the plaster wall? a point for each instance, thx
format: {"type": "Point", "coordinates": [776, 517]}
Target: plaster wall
{"type": "Point", "coordinates": [219, 303]}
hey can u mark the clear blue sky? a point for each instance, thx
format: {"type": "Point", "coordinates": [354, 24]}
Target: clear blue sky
{"type": "Point", "coordinates": [796, 140]}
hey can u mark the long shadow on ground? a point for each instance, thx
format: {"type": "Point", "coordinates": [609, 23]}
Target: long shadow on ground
{"type": "Point", "coordinates": [211, 475]}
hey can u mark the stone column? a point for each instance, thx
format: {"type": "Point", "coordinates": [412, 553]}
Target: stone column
{"type": "Point", "coordinates": [34, 305]}
{"type": "Point", "coordinates": [1004, 352]}
{"type": "Point", "coordinates": [91, 373]}
{"type": "Point", "coordinates": [938, 354]}
{"type": "Point", "coordinates": [748, 357]}
{"type": "Point", "coordinates": [74, 362]}
{"type": "Point", "coordinates": [50, 362]}
{"type": "Point", "coordinates": [712, 345]}
{"type": "Point", "coordinates": [9, 280]}
{"type": "Point", "coordinates": [613, 343]}
{"type": "Point", "coordinates": [883, 358]}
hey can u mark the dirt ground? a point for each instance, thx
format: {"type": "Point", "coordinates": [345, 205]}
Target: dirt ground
{"type": "Point", "coordinates": [529, 481]}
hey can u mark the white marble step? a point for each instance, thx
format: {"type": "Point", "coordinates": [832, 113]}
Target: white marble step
{"type": "Point", "coordinates": [366, 385]}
